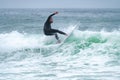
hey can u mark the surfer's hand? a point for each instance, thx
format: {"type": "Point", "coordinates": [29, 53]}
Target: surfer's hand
{"type": "Point", "coordinates": [56, 12]}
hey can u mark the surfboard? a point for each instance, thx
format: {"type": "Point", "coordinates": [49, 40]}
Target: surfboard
{"type": "Point", "coordinates": [69, 34]}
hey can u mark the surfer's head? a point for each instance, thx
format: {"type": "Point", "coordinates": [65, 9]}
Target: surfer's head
{"type": "Point", "coordinates": [51, 20]}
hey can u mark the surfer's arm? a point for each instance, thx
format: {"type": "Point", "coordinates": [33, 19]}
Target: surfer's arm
{"type": "Point", "coordinates": [51, 16]}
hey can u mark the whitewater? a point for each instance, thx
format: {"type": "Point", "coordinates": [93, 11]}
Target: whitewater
{"type": "Point", "coordinates": [92, 52]}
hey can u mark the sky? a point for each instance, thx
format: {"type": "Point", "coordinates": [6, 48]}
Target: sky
{"type": "Point", "coordinates": [59, 3]}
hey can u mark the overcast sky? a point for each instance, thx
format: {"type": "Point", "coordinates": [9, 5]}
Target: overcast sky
{"type": "Point", "coordinates": [59, 3]}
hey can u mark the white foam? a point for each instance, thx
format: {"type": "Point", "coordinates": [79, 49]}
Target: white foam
{"type": "Point", "coordinates": [16, 40]}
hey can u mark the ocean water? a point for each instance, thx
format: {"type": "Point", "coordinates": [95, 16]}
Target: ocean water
{"type": "Point", "coordinates": [92, 52]}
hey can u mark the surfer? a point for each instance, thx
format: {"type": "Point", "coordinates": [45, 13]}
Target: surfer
{"type": "Point", "coordinates": [49, 31]}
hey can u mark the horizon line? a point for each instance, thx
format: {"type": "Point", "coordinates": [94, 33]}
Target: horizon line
{"type": "Point", "coordinates": [57, 8]}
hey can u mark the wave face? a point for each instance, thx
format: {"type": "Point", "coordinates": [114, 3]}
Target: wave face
{"type": "Point", "coordinates": [90, 53]}
{"type": "Point", "coordinates": [83, 55]}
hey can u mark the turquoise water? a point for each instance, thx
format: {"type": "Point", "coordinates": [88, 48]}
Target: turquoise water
{"type": "Point", "coordinates": [92, 52]}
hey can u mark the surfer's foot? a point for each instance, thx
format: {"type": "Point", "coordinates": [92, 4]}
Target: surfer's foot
{"type": "Point", "coordinates": [66, 34]}
{"type": "Point", "coordinates": [58, 41]}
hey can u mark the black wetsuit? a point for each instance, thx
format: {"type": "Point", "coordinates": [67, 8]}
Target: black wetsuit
{"type": "Point", "coordinates": [49, 31]}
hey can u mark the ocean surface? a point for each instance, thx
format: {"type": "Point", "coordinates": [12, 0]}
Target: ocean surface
{"type": "Point", "coordinates": [92, 52]}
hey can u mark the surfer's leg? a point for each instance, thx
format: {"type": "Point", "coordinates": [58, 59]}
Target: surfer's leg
{"type": "Point", "coordinates": [61, 32]}
{"type": "Point", "coordinates": [52, 32]}
{"type": "Point", "coordinates": [58, 31]}
{"type": "Point", "coordinates": [56, 36]}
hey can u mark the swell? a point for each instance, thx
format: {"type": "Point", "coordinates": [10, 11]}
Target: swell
{"type": "Point", "coordinates": [18, 46]}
